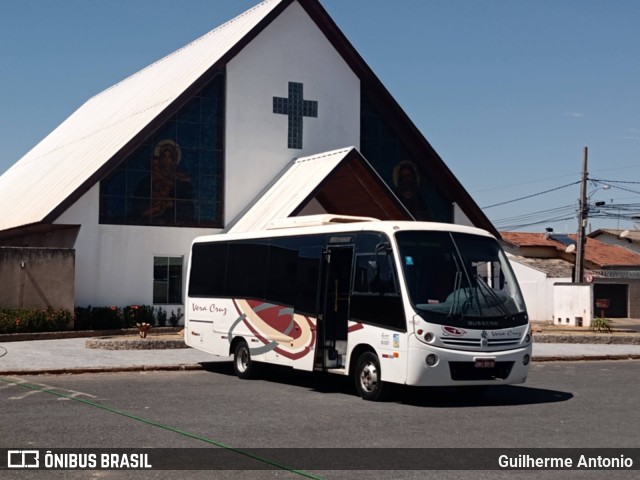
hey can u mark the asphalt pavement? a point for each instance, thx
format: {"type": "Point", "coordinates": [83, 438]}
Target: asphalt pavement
{"type": "Point", "coordinates": [71, 355]}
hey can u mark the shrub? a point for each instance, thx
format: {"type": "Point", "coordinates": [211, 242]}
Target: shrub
{"type": "Point", "coordinates": [161, 317]}
{"type": "Point", "coordinates": [113, 318]}
{"type": "Point", "coordinates": [174, 319]}
{"type": "Point", "coordinates": [601, 324]}
{"type": "Point", "coordinates": [19, 320]}
{"type": "Point", "coordinates": [135, 314]}
{"type": "Point", "coordinates": [98, 318]}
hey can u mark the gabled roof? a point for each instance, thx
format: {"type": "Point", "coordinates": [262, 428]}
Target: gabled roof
{"type": "Point", "coordinates": [341, 181]}
{"type": "Point", "coordinates": [108, 127]}
{"type": "Point", "coordinates": [597, 253]}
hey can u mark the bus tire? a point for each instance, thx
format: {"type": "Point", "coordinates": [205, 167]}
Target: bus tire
{"type": "Point", "coordinates": [366, 376]}
{"type": "Point", "coordinates": [242, 363]}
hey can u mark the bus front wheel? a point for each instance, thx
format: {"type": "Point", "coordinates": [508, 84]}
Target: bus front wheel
{"type": "Point", "coordinates": [367, 377]}
{"type": "Point", "coordinates": [242, 363]}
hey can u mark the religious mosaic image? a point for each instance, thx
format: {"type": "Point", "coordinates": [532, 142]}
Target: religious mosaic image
{"type": "Point", "coordinates": [175, 178]}
{"type": "Point", "coordinates": [386, 152]}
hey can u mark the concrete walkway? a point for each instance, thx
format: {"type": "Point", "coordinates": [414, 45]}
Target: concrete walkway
{"type": "Point", "coordinates": [72, 356]}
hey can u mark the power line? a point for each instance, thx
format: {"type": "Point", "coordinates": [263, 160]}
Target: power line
{"type": "Point", "coordinates": [532, 195]}
{"type": "Point", "coordinates": [557, 214]}
{"type": "Point", "coordinates": [611, 181]}
{"type": "Point", "coordinates": [541, 222]}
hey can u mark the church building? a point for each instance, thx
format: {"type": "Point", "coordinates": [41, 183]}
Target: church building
{"type": "Point", "coordinates": [272, 114]}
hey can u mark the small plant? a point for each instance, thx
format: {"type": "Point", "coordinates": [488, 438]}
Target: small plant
{"type": "Point", "coordinates": [174, 319]}
{"type": "Point", "coordinates": [161, 317]}
{"type": "Point", "coordinates": [143, 328]}
{"type": "Point", "coordinates": [601, 324]}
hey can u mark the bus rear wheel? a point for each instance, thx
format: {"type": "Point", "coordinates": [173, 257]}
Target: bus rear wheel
{"type": "Point", "coordinates": [242, 363]}
{"type": "Point", "coordinates": [367, 377]}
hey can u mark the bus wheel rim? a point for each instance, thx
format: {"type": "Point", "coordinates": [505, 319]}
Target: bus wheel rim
{"type": "Point", "coordinates": [243, 360]}
{"type": "Point", "coordinates": [369, 377]}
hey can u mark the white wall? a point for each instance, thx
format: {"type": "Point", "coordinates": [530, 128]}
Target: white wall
{"type": "Point", "coordinates": [537, 289]}
{"type": "Point", "coordinates": [290, 49]}
{"type": "Point", "coordinates": [114, 263]}
{"type": "Point", "coordinates": [573, 304]}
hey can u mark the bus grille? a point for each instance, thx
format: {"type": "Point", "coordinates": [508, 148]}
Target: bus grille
{"type": "Point", "coordinates": [476, 342]}
{"type": "Point", "coordinates": [468, 371]}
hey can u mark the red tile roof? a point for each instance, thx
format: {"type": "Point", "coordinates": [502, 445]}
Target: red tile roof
{"type": "Point", "coordinates": [596, 252]}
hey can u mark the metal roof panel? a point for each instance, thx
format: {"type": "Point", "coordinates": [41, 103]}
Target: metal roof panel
{"type": "Point", "coordinates": [64, 160]}
{"type": "Point", "coordinates": [292, 187]}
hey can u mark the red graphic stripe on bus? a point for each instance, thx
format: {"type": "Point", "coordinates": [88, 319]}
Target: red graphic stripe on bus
{"type": "Point", "coordinates": [272, 319]}
{"type": "Point", "coordinates": [355, 328]}
{"type": "Point", "coordinates": [284, 353]}
{"type": "Point", "coordinates": [273, 316]}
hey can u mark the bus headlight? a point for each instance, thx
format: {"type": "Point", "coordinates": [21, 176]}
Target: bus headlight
{"type": "Point", "coordinates": [527, 339]}
{"type": "Point", "coordinates": [431, 359]}
{"type": "Point", "coordinates": [428, 337]}
{"type": "Point", "coordinates": [526, 359]}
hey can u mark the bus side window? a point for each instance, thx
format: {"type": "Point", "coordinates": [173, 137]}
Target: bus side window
{"type": "Point", "coordinates": [208, 270]}
{"type": "Point", "coordinates": [248, 277]}
{"type": "Point", "coordinates": [374, 274]}
{"type": "Point", "coordinates": [283, 265]}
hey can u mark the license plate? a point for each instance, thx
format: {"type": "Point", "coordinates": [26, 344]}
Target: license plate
{"type": "Point", "coordinates": [485, 362]}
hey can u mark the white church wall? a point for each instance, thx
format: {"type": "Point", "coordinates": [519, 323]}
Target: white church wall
{"type": "Point", "coordinates": [290, 49]}
{"type": "Point", "coordinates": [114, 263]}
{"type": "Point", "coordinates": [459, 217]}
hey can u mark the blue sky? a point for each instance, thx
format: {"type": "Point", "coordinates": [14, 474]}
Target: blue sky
{"type": "Point", "coordinates": [508, 92]}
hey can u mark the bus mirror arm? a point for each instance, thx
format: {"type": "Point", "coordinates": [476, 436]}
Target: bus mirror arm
{"type": "Point", "coordinates": [383, 247]}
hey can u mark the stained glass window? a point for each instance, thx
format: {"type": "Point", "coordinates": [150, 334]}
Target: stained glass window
{"type": "Point", "coordinates": [399, 168]}
{"type": "Point", "coordinates": [175, 178]}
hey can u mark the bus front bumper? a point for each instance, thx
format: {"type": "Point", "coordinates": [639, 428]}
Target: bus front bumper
{"type": "Point", "coordinates": [434, 366]}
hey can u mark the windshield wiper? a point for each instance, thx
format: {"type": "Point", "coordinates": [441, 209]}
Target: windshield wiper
{"type": "Point", "coordinates": [457, 258]}
{"type": "Point", "coordinates": [456, 295]}
{"type": "Point", "coordinates": [458, 290]}
{"type": "Point", "coordinates": [485, 289]}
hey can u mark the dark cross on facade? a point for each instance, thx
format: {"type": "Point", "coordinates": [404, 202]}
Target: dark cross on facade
{"type": "Point", "coordinates": [296, 108]}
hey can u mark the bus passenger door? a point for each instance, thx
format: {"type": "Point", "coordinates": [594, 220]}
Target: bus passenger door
{"type": "Point", "coordinates": [337, 285]}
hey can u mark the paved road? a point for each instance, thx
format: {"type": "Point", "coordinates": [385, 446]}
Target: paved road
{"type": "Point", "coordinates": [563, 405]}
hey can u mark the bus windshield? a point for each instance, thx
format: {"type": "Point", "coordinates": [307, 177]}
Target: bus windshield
{"type": "Point", "coordinates": [460, 279]}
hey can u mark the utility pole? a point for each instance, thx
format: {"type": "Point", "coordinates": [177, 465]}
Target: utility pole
{"type": "Point", "coordinates": [583, 214]}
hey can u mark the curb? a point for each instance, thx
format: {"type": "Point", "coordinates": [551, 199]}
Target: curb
{"type": "Point", "coordinates": [199, 366]}
{"type": "Point", "coordinates": [23, 337]}
{"type": "Point", "coordinates": [121, 369]}
{"type": "Point", "coordinates": [581, 358]}
{"type": "Point", "coordinates": [135, 344]}
{"type": "Point", "coordinates": [600, 339]}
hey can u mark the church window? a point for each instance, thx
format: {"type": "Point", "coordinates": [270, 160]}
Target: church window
{"type": "Point", "coordinates": [167, 280]}
{"type": "Point", "coordinates": [175, 178]}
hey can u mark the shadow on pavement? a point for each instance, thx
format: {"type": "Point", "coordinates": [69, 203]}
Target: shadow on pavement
{"type": "Point", "coordinates": [432, 397]}
{"type": "Point", "coordinates": [500, 395]}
